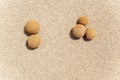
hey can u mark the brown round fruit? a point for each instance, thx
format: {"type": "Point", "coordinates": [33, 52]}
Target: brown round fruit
{"type": "Point", "coordinates": [78, 31]}
{"type": "Point", "coordinates": [32, 27]}
{"type": "Point", "coordinates": [90, 33]}
{"type": "Point", "coordinates": [33, 41]}
{"type": "Point", "coordinates": [83, 20]}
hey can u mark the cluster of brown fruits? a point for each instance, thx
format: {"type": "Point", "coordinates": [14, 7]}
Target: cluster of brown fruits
{"type": "Point", "coordinates": [32, 27]}
{"type": "Point", "coordinates": [80, 29]}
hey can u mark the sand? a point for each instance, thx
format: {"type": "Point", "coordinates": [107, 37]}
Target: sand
{"type": "Point", "coordinates": [60, 57]}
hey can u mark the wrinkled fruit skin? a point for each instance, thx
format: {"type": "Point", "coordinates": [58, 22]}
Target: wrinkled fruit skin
{"type": "Point", "coordinates": [90, 33]}
{"type": "Point", "coordinates": [78, 31]}
{"type": "Point", "coordinates": [34, 41]}
{"type": "Point", "coordinates": [32, 27]}
{"type": "Point", "coordinates": [83, 20]}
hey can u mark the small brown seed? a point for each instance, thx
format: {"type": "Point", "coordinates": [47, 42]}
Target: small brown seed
{"type": "Point", "coordinates": [32, 26]}
{"type": "Point", "coordinates": [90, 33]}
{"type": "Point", "coordinates": [33, 41]}
{"type": "Point", "coordinates": [83, 20]}
{"type": "Point", "coordinates": [78, 31]}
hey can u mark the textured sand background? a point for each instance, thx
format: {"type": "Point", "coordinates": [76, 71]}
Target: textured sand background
{"type": "Point", "coordinates": [59, 57]}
